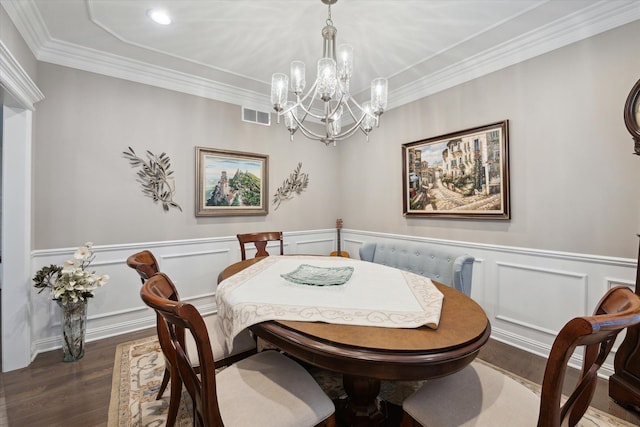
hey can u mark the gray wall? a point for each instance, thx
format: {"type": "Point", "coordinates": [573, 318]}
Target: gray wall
{"type": "Point", "coordinates": [12, 39]}
{"type": "Point", "coordinates": [573, 176]}
{"type": "Point", "coordinates": [572, 187]}
{"type": "Point", "coordinates": [574, 180]}
{"type": "Point", "coordinates": [84, 189]}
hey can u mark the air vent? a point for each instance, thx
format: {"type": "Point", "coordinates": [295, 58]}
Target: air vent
{"type": "Point", "coordinates": [254, 116]}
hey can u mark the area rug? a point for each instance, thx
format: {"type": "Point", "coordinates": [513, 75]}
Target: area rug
{"type": "Point", "coordinates": [139, 366]}
{"type": "Point", "coordinates": [137, 375]}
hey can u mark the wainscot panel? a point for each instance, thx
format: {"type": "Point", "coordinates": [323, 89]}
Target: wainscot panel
{"type": "Point", "coordinates": [116, 309]}
{"type": "Point", "coordinates": [529, 294]}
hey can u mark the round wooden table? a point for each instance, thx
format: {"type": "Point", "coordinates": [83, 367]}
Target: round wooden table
{"type": "Point", "coordinates": [366, 355]}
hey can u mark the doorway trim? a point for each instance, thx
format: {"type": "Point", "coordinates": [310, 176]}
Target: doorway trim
{"type": "Point", "coordinates": [18, 94]}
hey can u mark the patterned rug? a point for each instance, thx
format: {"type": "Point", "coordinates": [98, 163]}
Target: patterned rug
{"type": "Point", "coordinates": [137, 375]}
{"type": "Point", "coordinates": [139, 366]}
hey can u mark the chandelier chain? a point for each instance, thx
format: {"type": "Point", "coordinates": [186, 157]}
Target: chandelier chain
{"type": "Point", "coordinates": [329, 21]}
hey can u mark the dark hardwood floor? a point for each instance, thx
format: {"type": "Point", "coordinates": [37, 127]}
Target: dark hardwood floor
{"type": "Point", "coordinates": [52, 393]}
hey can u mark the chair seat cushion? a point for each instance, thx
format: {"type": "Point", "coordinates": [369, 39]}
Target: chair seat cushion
{"type": "Point", "coordinates": [270, 390]}
{"type": "Point", "coordinates": [476, 396]}
{"type": "Point", "coordinates": [243, 342]}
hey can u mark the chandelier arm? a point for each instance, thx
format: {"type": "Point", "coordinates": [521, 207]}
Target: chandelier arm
{"type": "Point", "coordinates": [312, 90]}
{"type": "Point", "coordinates": [298, 103]}
{"type": "Point", "coordinates": [353, 116]}
{"type": "Point", "coordinates": [342, 135]}
{"type": "Point", "coordinates": [299, 123]}
{"type": "Point", "coordinates": [304, 116]}
{"type": "Point", "coordinates": [362, 117]}
{"type": "Point", "coordinates": [307, 111]}
{"type": "Point", "coordinates": [356, 104]}
{"type": "Point", "coordinates": [286, 110]}
{"type": "Point", "coordinates": [306, 132]}
{"type": "Point", "coordinates": [346, 134]}
{"type": "Point", "coordinates": [376, 117]}
{"type": "Point", "coordinates": [366, 132]}
{"type": "Point", "coordinates": [310, 134]}
{"type": "Point", "coordinates": [330, 111]}
{"type": "Point", "coordinates": [292, 107]}
{"type": "Point", "coordinates": [326, 138]}
{"type": "Point", "coordinates": [362, 109]}
{"type": "Point", "coordinates": [317, 137]}
{"type": "Point", "coordinates": [362, 112]}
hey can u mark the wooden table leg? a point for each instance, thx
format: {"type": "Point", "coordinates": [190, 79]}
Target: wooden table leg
{"type": "Point", "coordinates": [360, 408]}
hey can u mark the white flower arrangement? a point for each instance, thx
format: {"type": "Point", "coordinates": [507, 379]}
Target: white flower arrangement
{"type": "Point", "coordinates": [72, 282]}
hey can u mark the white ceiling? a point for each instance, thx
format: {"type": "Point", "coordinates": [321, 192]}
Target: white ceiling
{"type": "Point", "coordinates": [228, 49]}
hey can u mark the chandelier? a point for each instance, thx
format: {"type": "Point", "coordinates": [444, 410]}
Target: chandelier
{"type": "Point", "coordinates": [328, 99]}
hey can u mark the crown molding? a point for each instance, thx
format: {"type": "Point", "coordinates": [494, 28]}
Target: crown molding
{"type": "Point", "coordinates": [27, 19]}
{"type": "Point", "coordinates": [600, 17]}
{"type": "Point", "coordinates": [15, 80]}
{"type": "Point", "coordinates": [73, 56]}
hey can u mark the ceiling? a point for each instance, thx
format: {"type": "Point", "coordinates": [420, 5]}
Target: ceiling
{"type": "Point", "coordinates": [228, 49]}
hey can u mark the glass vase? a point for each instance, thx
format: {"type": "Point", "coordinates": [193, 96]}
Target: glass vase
{"type": "Point", "coordinates": [74, 325]}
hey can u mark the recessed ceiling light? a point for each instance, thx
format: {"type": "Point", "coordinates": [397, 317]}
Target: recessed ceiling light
{"type": "Point", "coordinates": [159, 16]}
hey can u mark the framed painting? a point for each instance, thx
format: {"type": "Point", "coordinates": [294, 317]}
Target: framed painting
{"type": "Point", "coordinates": [463, 174]}
{"type": "Point", "coordinates": [231, 183]}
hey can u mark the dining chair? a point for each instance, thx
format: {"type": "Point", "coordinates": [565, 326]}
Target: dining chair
{"type": "Point", "coordinates": [260, 241]}
{"type": "Point", "coordinates": [265, 389]}
{"type": "Point", "coordinates": [244, 345]}
{"type": "Point", "coordinates": [480, 395]}
{"type": "Point", "coordinates": [144, 263]}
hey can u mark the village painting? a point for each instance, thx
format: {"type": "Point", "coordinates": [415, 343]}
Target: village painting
{"type": "Point", "coordinates": [231, 183]}
{"type": "Point", "coordinates": [463, 174]}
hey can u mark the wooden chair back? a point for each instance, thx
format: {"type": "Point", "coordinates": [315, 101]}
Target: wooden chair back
{"type": "Point", "coordinates": [260, 241]}
{"type": "Point", "coordinates": [494, 400]}
{"type": "Point", "coordinates": [179, 317]}
{"type": "Point", "coordinates": [163, 287]}
{"type": "Point", "coordinates": [618, 309]}
{"type": "Point", "coordinates": [144, 263]}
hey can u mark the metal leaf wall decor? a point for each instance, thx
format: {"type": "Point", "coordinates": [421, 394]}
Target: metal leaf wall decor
{"type": "Point", "coordinates": [154, 176]}
{"type": "Point", "coordinates": [296, 182]}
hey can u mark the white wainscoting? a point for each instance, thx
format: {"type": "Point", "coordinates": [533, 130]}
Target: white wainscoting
{"type": "Point", "coordinates": [527, 294]}
{"type": "Point", "coordinates": [193, 265]}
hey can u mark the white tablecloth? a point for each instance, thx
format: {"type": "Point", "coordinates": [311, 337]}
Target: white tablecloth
{"type": "Point", "coordinates": [375, 295]}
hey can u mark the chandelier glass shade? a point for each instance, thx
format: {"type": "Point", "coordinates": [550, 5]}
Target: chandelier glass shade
{"type": "Point", "coordinates": [328, 100]}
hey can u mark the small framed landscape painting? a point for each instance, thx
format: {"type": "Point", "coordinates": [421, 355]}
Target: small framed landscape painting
{"type": "Point", "coordinates": [231, 183]}
{"type": "Point", "coordinates": [463, 174]}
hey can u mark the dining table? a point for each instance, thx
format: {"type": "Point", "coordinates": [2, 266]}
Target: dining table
{"type": "Point", "coordinates": [382, 344]}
